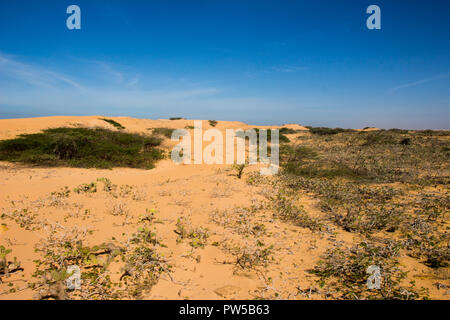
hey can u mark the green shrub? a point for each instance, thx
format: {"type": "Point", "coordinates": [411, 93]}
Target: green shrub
{"type": "Point", "coordinates": [114, 123]}
{"type": "Point", "coordinates": [66, 147]}
{"type": "Point", "coordinates": [380, 138]}
{"type": "Point", "coordinates": [166, 132]}
{"type": "Point", "coordinates": [287, 131]}
{"type": "Point", "coordinates": [428, 132]}
{"type": "Point", "coordinates": [405, 141]}
{"type": "Point", "coordinates": [212, 123]}
{"type": "Point", "coordinates": [345, 271]}
{"type": "Point", "coordinates": [322, 131]}
{"type": "Point", "coordinates": [83, 147]}
{"type": "Point", "coordinates": [297, 153]}
{"type": "Point", "coordinates": [400, 131]}
{"type": "Point", "coordinates": [86, 188]}
{"type": "Point", "coordinates": [281, 137]}
{"type": "Point", "coordinates": [304, 161]}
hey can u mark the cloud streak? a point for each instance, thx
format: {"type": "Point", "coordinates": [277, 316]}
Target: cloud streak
{"type": "Point", "coordinates": [35, 76]}
{"type": "Point", "coordinates": [418, 83]}
{"type": "Point", "coordinates": [25, 85]}
{"type": "Point", "coordinates": [289, 69]}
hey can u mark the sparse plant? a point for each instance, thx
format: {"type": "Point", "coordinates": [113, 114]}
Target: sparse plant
{"type": "Point", "coordinates": [240, 220]}
{"type": "Point", "coordinates": [252, 255]}
{"type": "Point", "coordinates": [7, 267]}
{"type": "Point", "coordinates": [119, 209]}
{"type": "Point", "coordinates": [114, 123]}
{"type": "Point", "coordinates": [322, 131]}
{"type": "Point", "coordinates": [239, 169]}
{"type": "Point", "coordinates": [285, 207]}
{"type": "Point", "coordinates": [198, 236]}
{"type": "Point", "coordinates": [24, 217]}
{"type": "Point", "coordinates": [86, 188]}
{"type": "Point", "coordinates": [108, 186]}
{"type": "Point", "coordinates": [166, 132]}
{"type": "Point", "coordinates": [345, 272]}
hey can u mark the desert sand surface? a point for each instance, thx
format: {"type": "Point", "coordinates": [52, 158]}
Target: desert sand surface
{"type": "Point", "coordinates": [209, 197]}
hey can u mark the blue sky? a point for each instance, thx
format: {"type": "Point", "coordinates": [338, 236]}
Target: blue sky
{"type": "Point", "coordinates": [262, 62]}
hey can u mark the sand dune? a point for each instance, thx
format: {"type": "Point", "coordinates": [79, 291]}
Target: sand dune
{"type": "Point", "coordinates": [206, 196]}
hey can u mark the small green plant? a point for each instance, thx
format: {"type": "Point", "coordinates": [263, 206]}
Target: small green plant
{"type": "Point", "coordinates": [212, 123]}
{"type": "Point", "coordinates": [114, 123]}
{"type": "Point", "coordinates": [108, 186]}
{"type": "Point", "coordinates": [143, 267]}
{"type": "Point", "coordinates": [198, 236]}
{"type": "Point", "coordinates": [252, 255]}
{"type": "Point", "coordinates": [119, 209]}
{"type": "Point", "coordinates": [86, 188]}
{"type": "Point", "coordinates": [3, 253]}
{"type": "Point", "coordinates": [148, 216]}
{"type": "Point", "coordinates": [24, 217]}
{"type": "Point", "coordinates": [6, 266]}
{"type": "Point", "coordinates": [62, 193]}
{"type": "Point", "coordinates": [176, 118]}
{"type": "Point", "coordinates": [239, 169]}
{"type": "Point", "coordinates": [145, 236]}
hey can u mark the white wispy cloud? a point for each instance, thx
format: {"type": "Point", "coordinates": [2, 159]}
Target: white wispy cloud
{"type": "Point", "coordinates": [35, 86]}
{"type": "Point", "coordinates": [419, 82]}
{"type": "Point", "coordinates": [289, 69]}
{"type": "Point", "coordinates": [35, 75]}
{"type": "Point", "coordinates": [133, 82]}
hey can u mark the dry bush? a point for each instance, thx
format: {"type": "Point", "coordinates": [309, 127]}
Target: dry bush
{"type": "Point", "coordinates": [239, 220]}
{"type": "Point", "coordinates": [141, 265]}
{"type": "Point", "coordinates": [344, 272]}
{"type": "Point", "coordinates": [250, 255]}
{"type": "Point", "coordinates": [198, 236]}
{"type": "Point", "coordinates": [118, 209]}
{"type": "Point", "coordinates": [285, 207]}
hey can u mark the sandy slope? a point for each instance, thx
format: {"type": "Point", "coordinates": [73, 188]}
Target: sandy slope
{"type": "Point", "coordinates": [194, 192]}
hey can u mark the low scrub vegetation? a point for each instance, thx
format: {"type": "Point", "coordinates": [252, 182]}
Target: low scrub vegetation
{"type": "Point", "coordinates": [83, 147]}
{"type": "Point", "coordinates": [114, 123]}
{"type": "Point", "coordinates": [389, 188]}
{"type": "Point", "coordinates": [198, 236]}
{"type": "Point", "coordinates": [323, 131]}
{"type": "Point", "coordinates": [281, 136]}
{"type": "Point", "coordinates": [344, 272]}
{"type": "Point", "coordinates": [166, 132]}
